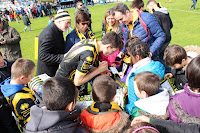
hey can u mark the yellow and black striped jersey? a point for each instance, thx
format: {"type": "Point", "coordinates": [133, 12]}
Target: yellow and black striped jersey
{"type": "Point", "coordinates": [78, 59]}
{"type": "Point", "coordinates": [21, 103]}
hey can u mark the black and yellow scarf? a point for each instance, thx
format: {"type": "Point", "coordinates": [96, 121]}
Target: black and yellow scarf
{"type": "Point", "coordinates": [102, 108]}
{"type": "Point", "coordinates": [90, 34]}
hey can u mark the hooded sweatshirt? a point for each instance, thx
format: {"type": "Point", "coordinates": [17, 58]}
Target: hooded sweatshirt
{"type": "Point", "coordinates": [156, 104]}
{"type": "Point", "coordinates": [54, 121]}
{"type": "Point", "coordinates": [20, 98]}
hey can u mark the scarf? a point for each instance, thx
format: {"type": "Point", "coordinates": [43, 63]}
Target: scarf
{"type": "Point", "coordinates": [104, 107]}
{"type": "Point", "coordinates": [131, 24]}
{"type": "Point", "coordinates": [108, 29]}
{"type": "Point", "coordinates": [89, 33]}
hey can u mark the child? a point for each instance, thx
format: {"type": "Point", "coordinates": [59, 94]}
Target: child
{"type": "Point", "coordinates": [58, 114]}
{"type": "Point", "coordinates": [146, 85]}
{"type": "Point", "coordinates": [16, 16]}
{"type": "Point", "coordinates": [104, 115]}
{"type": "Point", "coordinates": [190, 98]}
{"type": "Point", "coordinates": [140, 56]}
{"type": "Point", "coordinates": [176, 57]}
{"type": "Point", "coordinates": [27, 22]}
{"type": "Point", "coordinates": [14, 89]}
{"type": "Point", "coordinates": [51, 19]}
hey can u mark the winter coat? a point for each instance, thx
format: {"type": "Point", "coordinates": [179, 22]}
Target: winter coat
{"type": "Point", "coordinates": [108, 122]}
{"type": "Point", "coordinates": [165, 22]}
{"type": "Point", "coordinates": [50, 51]}
{"type": "Point", "coordinates": [54, 121]}
{"type": "Point", "coordinates": [11, 50]}
{"type": "Point", "coordinates": [188, 102]}
{"type": "Point", "coordinates": [168, 126]}
{"type": "Point", "coordinates": [157, 36]}
{"type": "Point", "coordinates": [155, 105]}
{"type": "Point", "coordinates": [155, 67]}
{"type": "Point", "coordinates": [26, 20]}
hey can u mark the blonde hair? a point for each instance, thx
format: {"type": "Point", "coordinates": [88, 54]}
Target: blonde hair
{"type": "Point", "coordinates": [108, 13]}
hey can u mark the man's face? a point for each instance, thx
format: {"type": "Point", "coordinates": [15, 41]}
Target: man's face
{"type": "Point", "coordinates": [108, 50]}
{"type": "Point", "coordinates": [122, 18]}
{"type": "Point", "coordinates": [82, 26]}
{"type": "Point", "coordinates": [79, 5]}
{"type": "Point", "coordinates": [65, 24]}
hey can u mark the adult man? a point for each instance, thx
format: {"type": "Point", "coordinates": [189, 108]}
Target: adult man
{"type": "Point", "coordinates": [81, 6]}
{"type": "Point", "coordinates": [136, 20]}
{"type": "Point", "coordinates": [51, 44]}
{"type": "Point", "coordinates": [78, 62]}
{"type": "Point", "coordinates": [9, 42]}
{"type": "Point", "coordinates": [165, 22]}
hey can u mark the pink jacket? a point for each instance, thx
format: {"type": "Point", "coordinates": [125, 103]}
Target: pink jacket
{"type": "Point", "coordinates": [110, 58]}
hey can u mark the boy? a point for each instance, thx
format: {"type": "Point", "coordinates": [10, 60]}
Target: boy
{"type": "Point", "coordinates": [51, 19]}
{"type": "Point", "coordinates": [27, 22]}
{"type": "Point", "coordinates": [104, 115]}
{"type": "Point", "coordinates": [176, 57]}
{"type": "Point", "coordinates": [14, 89]}
{"type": "Point", "coordinates": [58, 114]}
{"type": "Point", "coordinates": [146, 85]}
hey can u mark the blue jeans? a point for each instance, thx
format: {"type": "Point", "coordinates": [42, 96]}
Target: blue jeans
{"type": "Point", "coordinates": [195, 2]}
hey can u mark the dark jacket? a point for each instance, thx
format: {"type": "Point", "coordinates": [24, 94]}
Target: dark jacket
{"type": "Point", "coordinates": [26, 20]}
{"type": "Point", "coordinates": [165, 22]}
{"type": "Point", "coordinates": [50, 50]}
{"type": "Point", "coordinates": [11, 50]}
{"type": "Point", "coordinates": [46, 121]}
{"type": "Point", "coordinates": [180, 78]}
{"type": "Point", "coordinates": [168, 126]}
{"type": "Point", "coordinates": [157, 36]}
{"type": "Point", "coordinates": [5, 71]}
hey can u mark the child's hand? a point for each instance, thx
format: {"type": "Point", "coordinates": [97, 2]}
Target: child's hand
{"type": "Point", "coordinates": [121, 74]}
{"type": "Point", "coordinates": [113, 65]}
{"type": "Point", "coordinates": [168, 75]}
{"type": "Point", "coordinates": [125, 92]}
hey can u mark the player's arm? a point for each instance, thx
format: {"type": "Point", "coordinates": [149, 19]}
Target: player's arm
{"type": "Point", "coordinates": [81, 78]}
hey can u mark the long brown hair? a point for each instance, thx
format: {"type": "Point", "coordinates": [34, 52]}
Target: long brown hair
{"type": "Point", "coordinates": [108, 13]}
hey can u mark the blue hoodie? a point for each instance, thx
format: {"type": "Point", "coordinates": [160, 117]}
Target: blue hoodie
{"type": "Point", "coordinates": [7, 89]}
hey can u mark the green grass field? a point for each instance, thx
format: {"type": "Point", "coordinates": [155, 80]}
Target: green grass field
{"type": "Point", "coordinates": [186, 25]}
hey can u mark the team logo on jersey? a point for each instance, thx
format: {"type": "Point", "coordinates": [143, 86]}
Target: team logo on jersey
{"type": "Point", "coordinates": [24, 106]}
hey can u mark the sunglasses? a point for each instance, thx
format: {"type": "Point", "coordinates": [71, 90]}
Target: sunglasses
{"type": "Point", "coordinates": [85, 23]}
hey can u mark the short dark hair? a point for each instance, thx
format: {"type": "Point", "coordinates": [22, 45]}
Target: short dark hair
{"type": "Point", "coordinates": [112, 38]}
{"type": "Point", "coordinates": [148, 82]}
{"type": "Point", "coordinates": [22, 66]}
{"type": "Point", "coordinates": [81, 16]}
{"type": "Point", "coordinates": [174, 54]}
{"type": "Point", "coordinates": [193, 73]}
{"type": "Point", "coordinates": [137, 4]}
{"type": "Point", "coordinates": [103, 89]}
{"type": "Point", "coordinates": [58, 92]}
{"type": "Point", "coordinates": [121, 7]}
{"type": "Point", "coordinates": [137, 47]}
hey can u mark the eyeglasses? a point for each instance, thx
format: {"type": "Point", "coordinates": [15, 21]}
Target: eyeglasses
{"type": "Point", "coordinates": [85, 23]}
{"type": "Point", "coordinates": [81, 5]}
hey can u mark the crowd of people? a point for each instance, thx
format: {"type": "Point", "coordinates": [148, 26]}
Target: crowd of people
{"type": "Point", "coordinates": [134, 41]}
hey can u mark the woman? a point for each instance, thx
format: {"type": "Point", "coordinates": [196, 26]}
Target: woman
{"type": "Point", "coordinates": [80, 32]}
{"type": "Point", "coordinates": [110, 24]}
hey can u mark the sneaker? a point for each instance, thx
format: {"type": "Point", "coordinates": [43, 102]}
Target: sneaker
{"type": "Point", "coordinates": [190, 8]}
{"type": "Point", "coordinates": [24, 30]}
{"type": "Point", "coordinates": [30, 30]}
{"type": "Point", "coordinates": [195, 10]}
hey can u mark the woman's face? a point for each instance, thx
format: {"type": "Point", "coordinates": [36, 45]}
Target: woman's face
{"type": "Point", "coordinates": [110, 20]}
{"type": "Point", "coordinates": [82, 26]}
